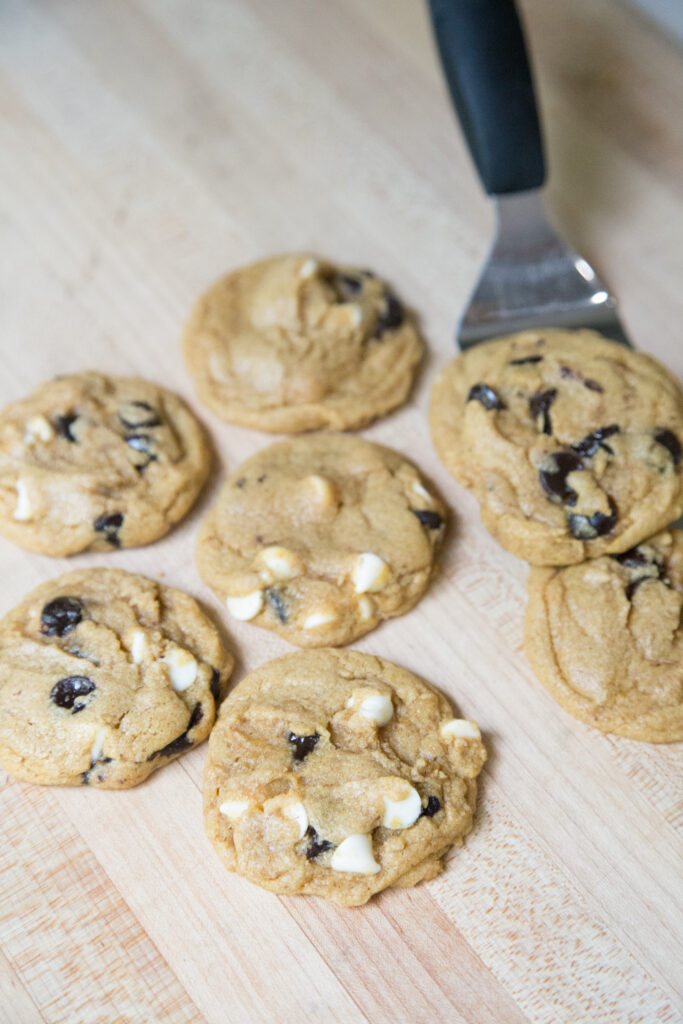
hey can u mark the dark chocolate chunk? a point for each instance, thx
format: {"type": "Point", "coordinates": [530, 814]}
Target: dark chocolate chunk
{"type": "Point", "coordinates": [63, 424]}
{"type": "Point", "coordinates": [567, 373]}
{"type": "Point", "coordinates": [109, 526]}
{"type": "Point", "coordinates": [593, 385]}
{"type": "Point", "coordinates": [392, 316]}
{"type": "Point", "coordinates": [70, 693]}
{"type": "Point", "coordinates": [524, 360]}
{"type": "Point", "coordinates": [670, 442]}
{"type": "Point", "coordinates": [182, 742]}
{"type": "Point", "coordinates": [432, 520]}
{"type": "Point", "coordinates": [60, 616]}
{"type": "Point", "coordinates": [303, 745]}
{"type": "Point", "coordinates": [215, 685]}
{"type": "Point", "coordinates": [260, 479]}
{"type": "Point", "coordinates": [241, 482]}
{"type": "Point", "coordinates": [634, 558]}
{"type": "Point", "coordinates": [347, 286]}
{"type": "Point", "coordinates": [539, 405]}
{"type": "Point", "coordinates": [316, 845]}
{"type": "Point", "coordinates": [139, 414]}
{"type": "Point", "coordinates": [554, 481]}
{"type": "Point", "coordinates": [597, 525]}
{"type": "Point", "coordinates": [432, 806]}
{"type": "Point", "coordinates": [141, 443]}
{"type": "Point", "coordinates": [591, 442]}
{"type": "Point", "coordinates": [275, 598]}
{"type": "Point", "coordinates": [486, 395]}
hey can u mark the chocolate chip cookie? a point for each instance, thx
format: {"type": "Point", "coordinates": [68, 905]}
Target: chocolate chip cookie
{"type": "Point", "coordinates": [338, 774]}
{"type": "Point", "coordinates": [605, 638]}
{"type": "Point", "coordinates": [294, 343]}
{"type": "Point", "coordinates": [90, 461]}
{"type": "Point", "coordinates": [320, 538]}
{"type": "Point", "coordinates": [570, 442]}
{"type": "Point", "coordinates": [105, 676]}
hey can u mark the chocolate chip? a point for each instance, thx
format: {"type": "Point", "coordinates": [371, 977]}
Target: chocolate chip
{"type": "Point", "coordinates": [60, 616]}
{"type": "Point", "coordinates": [432, 520]}
{"type": "Point", "coordinates": [215, 685]}
{"type": "Point", "coordinates": [591, 442]}
{"type": "Point", "coordinates": [567, 373]}
{"type": "Point", "coordinates": [634, 558]}
{"type": "Point", "coordinates": [70, 692]}
{"type": "Point", "coordinates": [260, 479]}
{"type": "Point", "coordinates": [275, 598]}
{"type": "Point", "coordinates": [486, 395]}
{"type": "Point", "coordinates": [524, 360]}
{"type": "Point", "coordinates": [138, 414]}
{"type": "Point", "coordinates": [637, 560]}
{"type": "Point", "coordinates": [392, 316]}
{"type": "Point", "coordinates": [182, 742]}
{"type": "Point", "coordinates": [554, 481]}
{"type": "Point", "coordinates": [316, 846]}
{"type": "Point", "coordinates": [141, 443]}
{"type": "Point", "coordinates": [539, 405]}
{"type": "Point", "coordinates": [433, 805]}
{"type": "Point", "coordinates": [597, 525]}
{"type": "Point", "coordinates": [63, 424]}
{"type": "Point", "coordinates": [303, 745]}
{"type": "Point", "coordinates": [670, 442]}
{"type": "Point", "coordinates": [241, 482]}
{"type": "Point", "coordinates": [109, 526]}
{"type": "Point", "coordinates": [347, 285]}
{"type": "Point", "coordinates": [593, 385]}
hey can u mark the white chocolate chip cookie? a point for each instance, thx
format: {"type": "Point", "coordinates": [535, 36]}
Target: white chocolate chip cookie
{"type": "Point", "coordinates": [337, 774]}
{"type": "Point", "coordinates": [320, 538]}
{"type": "Point", "coordinates": [105, 676]}
{"type": "Point", "coordinates": [293, 343]}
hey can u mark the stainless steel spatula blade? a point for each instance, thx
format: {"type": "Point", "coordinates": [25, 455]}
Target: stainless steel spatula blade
{"type": "Point", "coordinates": [531, 278]}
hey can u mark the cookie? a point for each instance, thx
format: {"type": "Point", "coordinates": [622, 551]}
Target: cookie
{"type": "Point", "coordinates": [337, 774]}
{"type": "Point", "coordinates": [570, 442]}
{"type": "Point", "coordinates": [320, 538]}
{"type": "Point", "coordinates": [105, 676]}
{"type": "Point", "coordinates": [295, 343]}
{"type": "Point", "coordinates": [97, 462]}
{"type": "Point", "coordinates": [605, 638]}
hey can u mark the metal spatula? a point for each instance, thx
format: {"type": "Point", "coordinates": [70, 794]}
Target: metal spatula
{"type": "Point", "coordinates": [531, 278]}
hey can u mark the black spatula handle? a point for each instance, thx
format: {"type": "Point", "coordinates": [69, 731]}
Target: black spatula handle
{"type": "Point", "coordinates": [486, 66]}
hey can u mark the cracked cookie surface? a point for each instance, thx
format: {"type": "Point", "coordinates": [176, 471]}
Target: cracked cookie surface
{"type": "Point", "coordinates": [320, 538]}
{"type": "Point", "coordinates": [605, 638]}
{"type": "Point", "coordinates": [570, 442]}
{"type": "Point", "coordinates": [94, 462]}
{"type": "Point", "coordinates": [105, 676]}
{"type": "Point", "coordinates": [338, 774]}
{"type": "Point", "coordinates": [295, 343]}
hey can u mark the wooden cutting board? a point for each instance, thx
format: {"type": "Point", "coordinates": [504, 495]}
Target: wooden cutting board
{"type": "Point", "coordinates": [146, 146]}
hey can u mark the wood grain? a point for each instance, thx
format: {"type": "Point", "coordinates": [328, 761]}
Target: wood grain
{"type": "Point", "coordinates": [146, 146]}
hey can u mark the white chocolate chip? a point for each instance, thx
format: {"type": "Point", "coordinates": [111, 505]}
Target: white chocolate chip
{"type": "Point", "coordinates": [308, 268]}
{"type": "Point", "coordinates": [138, 647]}
{"type": "Point", "coordinates": [319, 618]}
{"type": "Point", "coordinates": [246, 607]}
{"type": "Point", "coordinates": [234, 809]}
{"type": "Point", "coordinates": [370, 573]}
{"type": "Point", "coordinates": [297, 812]}
{"type": "Point", "coordinates": [281, 563]}
{"type": "Point", "coordinates": [22, 509]}
{"type": "Point", "coordinates": [182, 668]}
{"type": "Point", "coordinates": [354, 855]}
{"type": "Point", "coordinates": [356, 315]}
{"type": "Point", "coordinates": [377, 708]}
{"type": "Point", "coordinates": [459, 728]}
{"type": "Point", "coordinates": [98, 744]}
{"type": "Point", "coordinates": [366, 607]}
{"type": "Point", "coordinates": [38, 428]}
{"type": "Point", "coordinates": [322, 488]}
{"type": "Point", "coordinates": [419, 489]}
{"type": "Point", "coordinates": [402, 813]}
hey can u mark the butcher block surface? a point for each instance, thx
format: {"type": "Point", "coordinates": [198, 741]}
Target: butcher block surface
{"type": "Point", "coordinates": [145, 147]}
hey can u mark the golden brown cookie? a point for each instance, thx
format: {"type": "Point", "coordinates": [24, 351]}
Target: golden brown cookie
{"type": "Point", "coordinates": [90, 461]}
{"type": "Point", "coordinates": [294, 343]}
{"type": "Point", "coordinates": [570, 442]}
{"type": "Point", "coordinates": [320, 538]}
{"type": "Point", "coordinates": [605, 638]}
{"type": "Point", "coordinates": [338, 774]}
{"type": "Point", "coordinates": [105, 676]}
